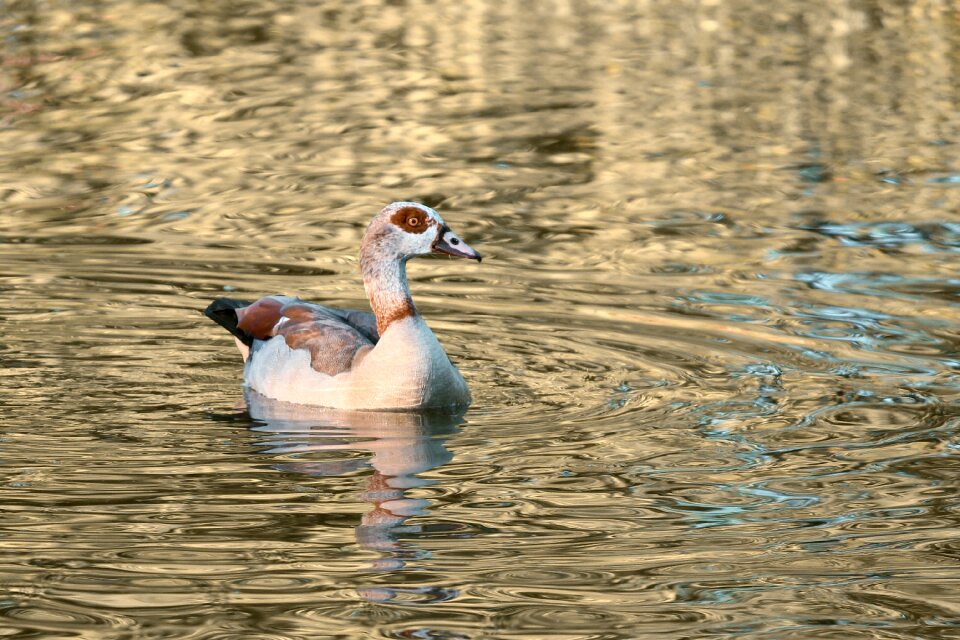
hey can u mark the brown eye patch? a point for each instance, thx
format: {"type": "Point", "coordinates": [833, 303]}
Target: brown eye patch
{"type": "Point", "coordinates": [411, 219]}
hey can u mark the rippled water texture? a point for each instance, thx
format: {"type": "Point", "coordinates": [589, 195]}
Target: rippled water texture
{"type": "Point", "coordinates": [713, 347]}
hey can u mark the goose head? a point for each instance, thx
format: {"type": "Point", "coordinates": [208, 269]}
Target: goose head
{"type": "Point", "coordinates": [404, 230]}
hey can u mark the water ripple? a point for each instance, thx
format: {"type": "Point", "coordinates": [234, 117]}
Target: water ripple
{"type": "Point", "coordinates": [712, 344]}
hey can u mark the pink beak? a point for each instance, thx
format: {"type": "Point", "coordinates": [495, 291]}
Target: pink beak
{"type": "Point", "coordinates": [448, 243]}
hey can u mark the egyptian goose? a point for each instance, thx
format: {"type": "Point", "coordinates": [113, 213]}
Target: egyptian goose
{"type": "Point", "coordinates": [305, 353]}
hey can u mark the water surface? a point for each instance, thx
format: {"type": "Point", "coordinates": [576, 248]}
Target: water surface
{"type": "Point", "coordinates": [713, 344]}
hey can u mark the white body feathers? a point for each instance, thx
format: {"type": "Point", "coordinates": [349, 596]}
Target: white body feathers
{"type": "Point", "coordinates": [408, 369]}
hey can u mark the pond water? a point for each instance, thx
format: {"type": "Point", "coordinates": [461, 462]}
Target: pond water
{"type": "Point", "coordinates": [713, 345]}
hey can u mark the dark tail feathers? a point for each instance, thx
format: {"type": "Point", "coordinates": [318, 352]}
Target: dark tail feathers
{"type": "Point", "coordinates": [222, 311]}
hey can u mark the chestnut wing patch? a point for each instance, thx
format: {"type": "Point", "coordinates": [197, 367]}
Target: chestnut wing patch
{"type": "Point", "coordinates": [259, 319]}
{"type": "Point", "coordinates": [334, 337]}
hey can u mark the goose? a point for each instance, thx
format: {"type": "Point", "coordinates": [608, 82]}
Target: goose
{"type": "Point", "coordinates": [305, 353]}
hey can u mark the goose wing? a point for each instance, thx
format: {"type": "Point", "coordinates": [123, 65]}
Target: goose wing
{"type": "Point", "coordinates": [334, 337]}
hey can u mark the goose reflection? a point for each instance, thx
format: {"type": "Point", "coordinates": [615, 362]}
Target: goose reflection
{"type": "Point", "coordinates": [402, 446]}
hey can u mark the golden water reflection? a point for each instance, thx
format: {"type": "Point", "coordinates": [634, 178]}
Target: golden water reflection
{"type": "Point", "coordinates": [712, 345]}
{"type": "Point", "coordinates": [401, 445]}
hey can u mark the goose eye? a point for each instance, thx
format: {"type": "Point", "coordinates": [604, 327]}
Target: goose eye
{"type": "Point", "coordinates": [410, 219]}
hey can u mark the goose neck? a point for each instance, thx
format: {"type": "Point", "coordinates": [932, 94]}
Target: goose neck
{"type": "Point", "coordinates": [385, 281]}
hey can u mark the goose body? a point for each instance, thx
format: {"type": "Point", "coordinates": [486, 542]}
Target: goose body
{"type": "Point", "coordinates": [305, 353]}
